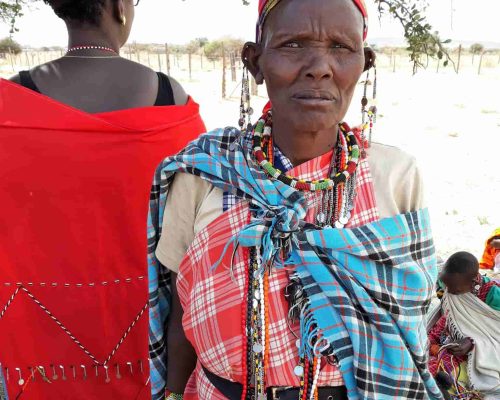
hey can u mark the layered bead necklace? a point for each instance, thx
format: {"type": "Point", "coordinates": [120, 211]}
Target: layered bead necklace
{"type": "Point", "coordinates": [336, 205]}
{"type": "Point", "coordinates": [338, 190]}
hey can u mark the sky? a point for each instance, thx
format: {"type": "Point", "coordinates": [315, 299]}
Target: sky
{"type": "Point", "coordinates": [178, 21]}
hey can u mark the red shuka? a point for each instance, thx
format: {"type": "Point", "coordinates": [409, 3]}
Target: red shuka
{"type": "Point", "coordinates": [74, 191]}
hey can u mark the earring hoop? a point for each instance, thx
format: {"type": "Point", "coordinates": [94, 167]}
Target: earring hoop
{"type": "Point", "coordinates": [123, 19]}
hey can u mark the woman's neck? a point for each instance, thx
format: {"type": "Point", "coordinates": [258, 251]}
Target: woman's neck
{"type": "Point", "coordinates": [302, 146]}
{"type": "Point", "coordinates": [91, 36]}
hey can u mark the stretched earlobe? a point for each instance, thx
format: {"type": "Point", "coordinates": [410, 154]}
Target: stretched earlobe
{"type": "Point", "coordinates": [250, 56]}
{"type": "Point", "coordinates": [370, 57]}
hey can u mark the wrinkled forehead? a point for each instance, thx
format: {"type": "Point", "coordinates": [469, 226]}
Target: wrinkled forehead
{"type": "Point", "coordinates": [265, 7]}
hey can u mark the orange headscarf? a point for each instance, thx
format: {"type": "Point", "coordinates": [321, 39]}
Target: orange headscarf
{"type": "Point", "coordinates": [488, 259]}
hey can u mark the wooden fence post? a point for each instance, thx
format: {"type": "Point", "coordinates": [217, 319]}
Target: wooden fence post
{"type": "Point", "coordinates": [159, 61]}
{"type": "Point", "coordinates": [167, 56]}
{"type": "Point", "coordinates": [459, 58]}
{"type": "Point", "coordinates": [189, 65]}
{"type": "Point", "coordinates": [233, 66]}
{"type": "Point", "coordinates": [223, 72]}
{"type": "Point", "coordinates": [480, 63]}
{"type": "Point", "coordinates": [137, 53]}
{"type": "Point", "coordinates": [11, 57]}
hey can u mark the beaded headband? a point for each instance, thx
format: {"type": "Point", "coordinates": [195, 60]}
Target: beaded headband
{"type": "Point", "coordinates": [265, 7]}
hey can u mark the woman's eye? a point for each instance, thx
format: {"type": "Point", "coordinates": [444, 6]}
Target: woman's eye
{"type": "Point", "coordinates": [292, 45]}
{"type": "Point", "coordinates": [338, 46]}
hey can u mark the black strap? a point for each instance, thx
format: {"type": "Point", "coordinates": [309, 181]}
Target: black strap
{"type": "Point", "coordinates": [165, 95]}
{"type": "Point", "coordinates": [26, 81]}
{"type": "Point", "coordinates": [234, 390]}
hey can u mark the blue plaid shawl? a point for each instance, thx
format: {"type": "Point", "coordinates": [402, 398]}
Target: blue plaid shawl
{"type": "Point", "coordinates": [367, 289]}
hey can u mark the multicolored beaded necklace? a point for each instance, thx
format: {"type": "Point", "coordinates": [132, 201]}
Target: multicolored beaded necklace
{"type": "Point", "coordinates": [338, 193]}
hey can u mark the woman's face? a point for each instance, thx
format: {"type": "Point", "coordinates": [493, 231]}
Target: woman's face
{"type": "Point", "coordinates": [311, 59]}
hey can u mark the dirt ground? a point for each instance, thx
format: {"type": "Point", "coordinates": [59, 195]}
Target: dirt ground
{"type": "Point", "coordinates": [450, 122]}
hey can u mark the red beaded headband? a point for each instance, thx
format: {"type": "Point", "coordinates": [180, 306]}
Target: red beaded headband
{"type": "Point", "coordinates": [265, 7]}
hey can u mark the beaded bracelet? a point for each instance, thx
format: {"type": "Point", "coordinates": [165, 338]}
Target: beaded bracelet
{"type": "Point", "coordinates": [174, 396]}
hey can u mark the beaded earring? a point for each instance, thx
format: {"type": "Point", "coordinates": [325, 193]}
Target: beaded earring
{"type": "Point", "coordinates": [370, 112]}
{"type": "Point", "coordinates": [245, 110]}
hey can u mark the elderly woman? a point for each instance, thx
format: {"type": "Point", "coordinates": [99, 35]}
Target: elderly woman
{"type": "Point", "coordinates": [301, 268]}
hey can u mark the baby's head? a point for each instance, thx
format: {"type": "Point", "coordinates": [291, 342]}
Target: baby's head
{"type": "Point", "coordinates": [460, 272]}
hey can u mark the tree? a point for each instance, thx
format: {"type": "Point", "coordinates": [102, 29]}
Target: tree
{"type": "Point", "coordinates": [422, 40]}
{"type": "Point", "coordinates": [213, 50]}
{"type": "Point", "coordinates": [476, 48]}
{"type": "Point", "coordinates": [8, 45]}
{"type": "Point", "coordinates": [10, 10]}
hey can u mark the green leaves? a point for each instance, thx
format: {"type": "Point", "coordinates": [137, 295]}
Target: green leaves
{"type": "Point", "coordinates": [422, 42]}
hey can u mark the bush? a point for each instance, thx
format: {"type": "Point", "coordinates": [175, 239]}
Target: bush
{"type": "Point", "coordinates": [9, 45]}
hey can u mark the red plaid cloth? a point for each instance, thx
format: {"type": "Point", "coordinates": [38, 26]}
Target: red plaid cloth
{"type": "Point", "coordinates": [213, 300]}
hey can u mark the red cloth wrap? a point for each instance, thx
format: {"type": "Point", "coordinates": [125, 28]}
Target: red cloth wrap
{"type": "Point", "coordinates": [74, 203]}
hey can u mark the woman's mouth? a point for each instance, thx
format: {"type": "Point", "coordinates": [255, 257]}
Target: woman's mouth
{"type": "Point", "coordinates": [314, 97]}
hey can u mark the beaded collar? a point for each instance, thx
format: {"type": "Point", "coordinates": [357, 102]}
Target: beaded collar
{"type": "Point", "coordinates": [262, 136]}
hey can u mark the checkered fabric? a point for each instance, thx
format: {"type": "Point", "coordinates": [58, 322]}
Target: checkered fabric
{"type": "Point", "coordinates": [369, 289]}
{"type": "Point", "coordinates": [229, 200]}
{"type": "Point", "coordinates": [213, 298]}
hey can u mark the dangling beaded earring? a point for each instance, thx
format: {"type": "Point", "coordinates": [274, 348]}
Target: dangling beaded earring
{"type": "Point", "coordinates": [246, 111]}
{"type": "Point", "coordinates": [370, 112]}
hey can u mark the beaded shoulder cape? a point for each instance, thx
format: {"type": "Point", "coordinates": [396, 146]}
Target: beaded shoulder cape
{"type": "Point", "coordinates": [367, 288]}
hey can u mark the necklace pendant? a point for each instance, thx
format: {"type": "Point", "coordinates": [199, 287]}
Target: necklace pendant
{"type": "Point", "coordinates": [257, 348]}
{"type": "Point", "coordinates": [321, 218]}
{"type": "Point", "coordinates": [298, 370]}
{"type": "Point", "coordinates": [343, 220]}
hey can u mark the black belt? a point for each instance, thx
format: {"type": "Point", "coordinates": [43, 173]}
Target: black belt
{"type": "Point", "coordinates": [234, 390]}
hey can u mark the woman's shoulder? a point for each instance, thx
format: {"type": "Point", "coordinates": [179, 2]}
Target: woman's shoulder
{"type": "Point", "coordinates": [396, 179]}
{"type": "Point", "coordinates": [136, 69]}
{"type": "Point", "coordinates": [390, 158]}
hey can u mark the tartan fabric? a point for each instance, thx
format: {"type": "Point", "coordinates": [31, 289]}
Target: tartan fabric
{"type": "Point", "coordinates": [278, 207]}
{"type": "Point", "coordinates": [159, 296]}
{"type": "Point", "coordinates": [369, 289]}
{"type": "Point", "coordinates": [229, 200]}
